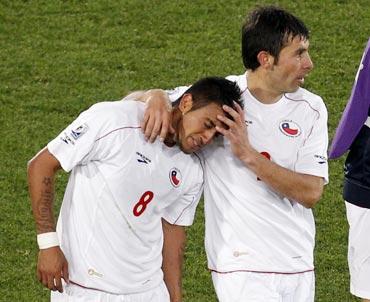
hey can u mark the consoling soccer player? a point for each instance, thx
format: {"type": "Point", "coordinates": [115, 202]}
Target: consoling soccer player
{"type": "Point", "coordinates": [260, 231]}
{"type": "Point", "coordinates": [125, 199]}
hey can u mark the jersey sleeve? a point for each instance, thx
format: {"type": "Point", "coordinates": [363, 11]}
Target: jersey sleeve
{"type": "Point", "coordinates": [312, 156]}
{"type": "Point", "coordinates": [75, 144]}
{"type": "Point", "coordinates": [182, 211]}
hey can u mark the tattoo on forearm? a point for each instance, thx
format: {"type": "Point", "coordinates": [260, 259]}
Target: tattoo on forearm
{"type": "Point", "coordinates": [47, 181]}
{"type": "Point", "coordinates": [44, 214]}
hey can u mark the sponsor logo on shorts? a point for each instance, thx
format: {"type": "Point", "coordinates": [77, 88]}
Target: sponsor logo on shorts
{"type": "Point", "coordinates": [175, 177]}
{"type": "Point", "coordinates": [290, 128]}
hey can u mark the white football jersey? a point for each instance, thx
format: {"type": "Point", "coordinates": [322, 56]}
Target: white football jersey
{"type": "Point", "coordinates": [249, 226]}
{"type": "Point", "coordinates": [119, 189]}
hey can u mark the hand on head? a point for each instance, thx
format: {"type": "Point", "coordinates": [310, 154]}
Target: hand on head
{"type": "Point", "coordinates": [235, 130]}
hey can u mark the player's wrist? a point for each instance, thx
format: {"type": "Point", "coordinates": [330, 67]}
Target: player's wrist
{"type": "Point", "coordinates": [47, 240]}
{"type": "Point", "coordinates": [249, 157]}
{"type": "Point", "coordinates": [158, 96]}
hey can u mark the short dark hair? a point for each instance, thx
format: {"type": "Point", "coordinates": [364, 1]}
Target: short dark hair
{"type": "Point", "coordinates": [213, 90]}
{"type": "Point", "coordinates": [269, 28]}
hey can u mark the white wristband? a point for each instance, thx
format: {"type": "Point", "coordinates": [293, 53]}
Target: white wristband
{"type": "Point", "coordinates": [46, 240]}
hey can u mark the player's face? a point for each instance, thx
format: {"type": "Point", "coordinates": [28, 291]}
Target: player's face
{"type": "Point", "coordinates": [293, 65]}
{"type": "Point", "coordinates": [197, 127]}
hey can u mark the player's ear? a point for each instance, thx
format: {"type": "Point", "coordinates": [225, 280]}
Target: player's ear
{"type": "Point", "coordinates": [186, 103]}
{"type": "Point", "coordinates": [265, 59]}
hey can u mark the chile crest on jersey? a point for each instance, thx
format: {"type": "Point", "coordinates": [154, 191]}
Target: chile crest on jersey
{"type": "Point", "coordinates": [290, 128]}
{"type": "Point", "coordinates": [175, 177]}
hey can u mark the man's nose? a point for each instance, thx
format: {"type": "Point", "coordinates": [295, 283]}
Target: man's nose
{"type": "Point", "coordinates": [307, 63]}
{"type": "Point", "coordinates": [208, 136]}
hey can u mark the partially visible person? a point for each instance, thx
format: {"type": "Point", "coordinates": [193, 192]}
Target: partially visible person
{"type": "Point", "coordinates": [353, 134]}
{"type": "Point", "coordinates": [125, 199]}
{"type": "Point", "coordinates": [267, 172]}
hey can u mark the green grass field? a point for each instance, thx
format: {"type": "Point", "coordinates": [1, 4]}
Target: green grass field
{"type": "Point", "coordinates": [59, 57]}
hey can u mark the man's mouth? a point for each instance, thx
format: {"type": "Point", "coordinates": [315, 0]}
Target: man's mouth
{"type": "Point", "coordinates": [196, 144]}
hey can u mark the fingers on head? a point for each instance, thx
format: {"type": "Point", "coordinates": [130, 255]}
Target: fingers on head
{"type": "Point", "coordinates": [155, 131]}
{"type": "Point", "coordinates": [164, 131]}
{"type": "Point", "coordinates": [225, 120]}
{"type": "Point", "coordinates": [144, 121]}
{"type": "Point", "coordinates": [149, 128]}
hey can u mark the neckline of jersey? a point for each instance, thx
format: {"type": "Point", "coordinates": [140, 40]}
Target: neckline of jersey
{"type": "Point", "coordinates": [264, 106]}
{"type": "Point", "coordinates": [258, 103]}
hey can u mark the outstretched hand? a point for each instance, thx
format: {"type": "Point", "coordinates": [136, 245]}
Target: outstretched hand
{"type": "Point", "coordinates": [52, 266]}
{"type": "Point", "coordinates": [237, 132]}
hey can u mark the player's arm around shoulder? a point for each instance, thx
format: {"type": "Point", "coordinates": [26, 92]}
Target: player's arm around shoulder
{"type": "Point", "coordinates": [157, 116]}
{"type": "Point", "coordinates": [51, 265]}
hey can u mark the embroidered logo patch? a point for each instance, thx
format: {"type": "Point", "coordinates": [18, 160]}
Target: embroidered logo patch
{"type": "Point", "coordinates": [65, 138]}
{"type": "Point", "coordinates": [142, 158]}
{"type": "Point", "coordinates": [175, 177]}
{"type": "Point", "coordinates": [290, 128]}
{"type": "Point", "coordinates": [79, 131]}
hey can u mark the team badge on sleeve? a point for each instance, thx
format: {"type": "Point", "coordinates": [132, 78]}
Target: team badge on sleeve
{"type": "Point", "coordinates": [175, 177]}
{"type": "Point", "coordinates": [290, 128]}
{"type": "Point", "coordinates": [79, 131]}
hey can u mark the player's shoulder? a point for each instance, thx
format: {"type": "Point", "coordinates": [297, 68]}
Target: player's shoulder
{"type": "Point", "coordinates": [197, 166]}
{"type": "Point", "coordinates": [117, 112]}
{"type": "Point", "coordinates": [189, 166]}
{"type": "Point", "coordinates": [197, 160]}
{"type": "Point", "coordinates": [313, 100]}
{"type": "Point", "coordinates": [240, 80]}
{"type": "Point", "coordinates": [117, 107]}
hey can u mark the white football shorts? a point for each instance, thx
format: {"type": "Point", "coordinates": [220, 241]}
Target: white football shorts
{"type": "Point", "coordinates": [359, 250]}
{"type": "Point", "coordinates": [76, 293]}
{"type": "Point", "coordinates": [264, 287]}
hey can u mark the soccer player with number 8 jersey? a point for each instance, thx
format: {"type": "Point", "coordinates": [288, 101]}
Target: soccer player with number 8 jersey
{"type": "Point", "coordinates": [125, 198]}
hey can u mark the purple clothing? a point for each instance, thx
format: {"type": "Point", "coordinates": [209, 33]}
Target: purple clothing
{"type": "Point", "coordinates": [356, 111]}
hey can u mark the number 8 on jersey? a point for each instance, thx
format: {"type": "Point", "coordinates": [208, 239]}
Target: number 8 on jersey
{"type": "Point", "coordinates": [141, 205]}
